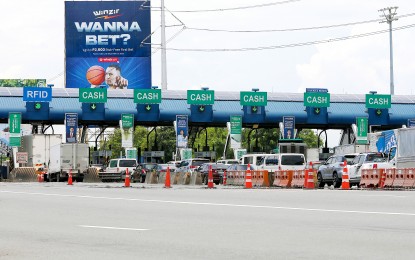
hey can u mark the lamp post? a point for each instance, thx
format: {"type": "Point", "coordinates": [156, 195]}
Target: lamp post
{"type": "Point", "coordinates": [389, 14]}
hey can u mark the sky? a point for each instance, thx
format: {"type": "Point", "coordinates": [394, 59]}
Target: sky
{"type": "Point", "coordinates": [32, 45]}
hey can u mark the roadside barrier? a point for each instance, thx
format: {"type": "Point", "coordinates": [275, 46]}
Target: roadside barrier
{"type": "Point", "coordinates": [389, 178]}
{"type": "Point", "coordinates": [248, 178]}
{"type": "Point", "coordinates": [409, 180]}
{"type": "Point", "coordinates": [399, 179]}
{"type": "Point", "coordinates": [283, 178]}
{"type": "Point", "coordinates": [255, 177]}
{"type": "Point", "coordinates": [382, 179]}
{"type": "Point", "coordinates": [364, 178]}
{"type": "Point", "coordinates": [225, 178]}
{"type": "Point", "coordinates": [345, 177]}
{"type": "Point", "coordinates": [297, 181]}
{"type": "Point", "coordinates": [230, 175]}
{"type": "Point", "coordinates": [210, 178]}
{"type": "Point", "coordinates": [310, 179]}
{"type": "Point", "coordinates": [262, 178]}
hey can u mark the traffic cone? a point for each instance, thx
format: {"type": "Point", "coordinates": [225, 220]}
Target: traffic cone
{"type": "Point", "coordinates": [310, 177]}
{"type": "Point", "coordinates": [70, 177]}
{"type": "Point", "coordinates": [127, 179]}
{"type": "Point", "coordinates": [345, 178]}
{"type": "Point", "coordinates": [225, 178]}
{"type": "Point", "coordinates": [167, 182]}
{"type": "Point", "coordinates": [210, 178]}
{"type": "Point", "coordinates": [248, 178]}
{"type": "Point", "coordinates": [306, 171]}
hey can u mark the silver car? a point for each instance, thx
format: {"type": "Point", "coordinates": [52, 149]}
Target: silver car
{"type": "Point", "coordinates": [331, 170]}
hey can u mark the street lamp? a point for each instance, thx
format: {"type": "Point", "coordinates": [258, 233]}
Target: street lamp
{"type": "Point", "coordinates": [389, 14]}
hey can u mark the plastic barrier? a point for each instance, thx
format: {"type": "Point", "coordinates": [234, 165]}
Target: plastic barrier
{"type": "Point", "coordinates": [409, 180]}
{"type": "Point", "coordinates": [390, 177]}
{"type": "Point", "coordinates": [364, 178]}
{"type": "Point", "coordinates": [277, 178]}
{"type": "Point", "coordinates": [399, 178]}
{"type": "Point", "coordinates": [263, 179]}
{"type": "Point", "coordinates": [240, 176]}
{"type": "Point", "coordinates": [286, 179]}
{"type": "Point", "coordinates": [254, 177]}
{"type": "Point", "coordinates": [297, 181]}
{"type": "Point", "coordinates": [229, 177]}
{"type": "Point", "coordinates": [374, 177]}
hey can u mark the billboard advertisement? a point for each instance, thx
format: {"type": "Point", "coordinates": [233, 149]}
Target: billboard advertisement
{"type": "Point", "coordinates": [127, 130]}
{"type": "Point", "coordinates": [181, 131]}
{"type": "Point", "coordinates": [71, 127]}
{"type": "Point", "coordinates": [289, 127]}
{"type": "Point", "coordinates": [103, 43]}
{"type": "Point", "coordinates": [236, 131]}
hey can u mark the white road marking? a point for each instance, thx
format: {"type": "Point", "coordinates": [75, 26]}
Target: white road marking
{"type": "Point", "coordinates": [218, 204]}
{"type": "Point", "coordinates": [393, 196]}
{"type": "Point", "coordinates": [117, 228]}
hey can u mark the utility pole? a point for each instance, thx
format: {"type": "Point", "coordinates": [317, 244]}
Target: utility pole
{"type": "Point", "coordinates": [389, 14]}
{"type": "Point", "coordinates": [163, 49]}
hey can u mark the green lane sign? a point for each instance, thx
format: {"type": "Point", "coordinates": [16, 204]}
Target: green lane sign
{"type": "Point", "coordinates": [236, 125]}
{"type": "Point", "coordinates": [316, 99]}
{"type": "Point", "coordinates": [378, 101]}
{"type": "Point", "coordinates": [248, 98]}
{"type": "Point", "coordinates": [93, 95]}
{"type": "Point", "coordinates": [362, 127]}
{"type": "Point", "coordinates": [127, 120]}
{"type": "Point", "coordinates": [15, 121]}
{"type": "Point", "coordinates": [200, 97]}
{"type": "Point", "coordinates": [147, 96]}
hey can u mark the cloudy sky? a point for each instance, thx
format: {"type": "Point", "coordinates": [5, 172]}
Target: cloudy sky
{"type": "Point", "coordinates": [32, 44]}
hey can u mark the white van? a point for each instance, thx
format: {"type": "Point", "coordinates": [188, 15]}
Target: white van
{"type": "Point", "coordinates": [228, 161]}
{"type": "Point", "coordinates": [253, 159]}
{"type": "Point", "coordinates": [282, 161]}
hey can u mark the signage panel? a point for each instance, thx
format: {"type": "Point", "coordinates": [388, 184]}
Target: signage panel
{"type": "Point", "coordinates": [147, 96]}
{"type": "Point", "coordinates": [316, 99]}
{"type": "Point", "coordinates": [248, 98]}
{"type": "Point", "coordinates": [181, 131]}
{"type": "Point", "coordinates": [411, 123]}
{"type": "Point", "coordinates": [92, 95]}
{"type": "Point", "coordinates": [35, 94]}
{"type": "Point", "coordinates": [71, 127]}
{"type": "Point", "coordinates": [127, 130]}
{"type": "Point", "coordinates": [236, 131]}
{"type": "Point", "coordinates": [378, 101]}
{"type": "Point", "coordinates": [362, 128]}
{"type": "Point", "coordinates": [289, 127]}
{"type": "Point", "coordinates": [200, 97]}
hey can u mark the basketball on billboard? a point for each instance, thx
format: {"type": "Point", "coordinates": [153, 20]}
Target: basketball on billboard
{"type": "Point", "coordinates": [95, 75]}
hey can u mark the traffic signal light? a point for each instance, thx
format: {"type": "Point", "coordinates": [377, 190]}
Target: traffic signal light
{"type": "Point", "coordinates": [38, 105]}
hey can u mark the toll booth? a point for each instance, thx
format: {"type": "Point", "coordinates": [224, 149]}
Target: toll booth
{"type": "Point", "coordinates": [153, 157]}
{"type": "Point", "coordinates": [211, 155]}
{"type": "Point", "coordinates": [292, 146]}
{"type": "Point", "coordinates": [101, 157]}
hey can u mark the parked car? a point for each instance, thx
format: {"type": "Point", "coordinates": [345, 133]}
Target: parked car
{"type": "Point", "coordinates": [331, 171]}
{"type": "Point", "coordinates": [140, 172]}
{"type": "Point", "coordinates": [116, 169]}
{"type": "Point", "coordinates": [282, 161]}
{"type": "Point", "coordinates": [163, 168]}
{"type": "Point", "coordinates": [363, 161]}
{"type": "Point", "coordinates": [217, 172]}
{"type": "Point", "coordinates": [228, 161]}
{"type": "Point", "coordinates": [190, 165]}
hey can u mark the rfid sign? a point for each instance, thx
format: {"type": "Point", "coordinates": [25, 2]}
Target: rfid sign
{"type": "Point", "coordinates": [35, 94]}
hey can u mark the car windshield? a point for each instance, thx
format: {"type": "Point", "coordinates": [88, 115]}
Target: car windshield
{"type": "Point", "coordinates": [149, 166]}
{"type": "Point", "coordinates": [127, 163]}
{"type": "Point", "coordinates": [375, 158]}
{"type": "Point", "coordinates": [292, 160]}
{"type": "Point", "coordinates": [199, 162]}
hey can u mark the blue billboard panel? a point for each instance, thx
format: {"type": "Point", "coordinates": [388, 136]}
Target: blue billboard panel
{"type": "Point", "coordinates": [289, 127]}
{"type": "Point", "coordinates": [181, 131]}
{"type": "Point", "coordinates": [35, 94]}
{"type": "Point", "coordinates": [104, 43]}
{"type": "Point", "coordinates": [71, 127]}
{"type": "Point", "coordinates": [113, 73]}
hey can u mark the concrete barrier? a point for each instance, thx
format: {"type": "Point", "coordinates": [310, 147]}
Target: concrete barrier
{"type": "Point", "coordinates": [91, 175]}
{"type": "Point", "coordinates": [23, 174]}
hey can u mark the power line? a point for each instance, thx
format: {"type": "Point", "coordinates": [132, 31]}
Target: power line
{"type": "Point", "coordinates": [231, 8]}
{"type": "Point", "coordinates": [292, 29]}
{"type": "Point", "coordinates": [294, 44]}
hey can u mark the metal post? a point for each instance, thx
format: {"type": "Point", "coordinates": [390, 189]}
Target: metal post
{"type": "Point", "coordinates": [163, 49]}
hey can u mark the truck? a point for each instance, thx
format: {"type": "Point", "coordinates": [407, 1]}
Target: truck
{"type": "Point", "coordinates": [37, 147]}
{"type": "Point", "coordinates": [66, 158]}
{"type": "Point", "coordinates": [398, 145]}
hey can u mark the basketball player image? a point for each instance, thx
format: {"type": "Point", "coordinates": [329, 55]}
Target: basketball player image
{"type": "Point", "coordinates": [112, 76]}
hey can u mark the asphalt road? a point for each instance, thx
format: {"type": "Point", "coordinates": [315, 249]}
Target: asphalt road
{"type": "Point", "coordinates": [107, 221]}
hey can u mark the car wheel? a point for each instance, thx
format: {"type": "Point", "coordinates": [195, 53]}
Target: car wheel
{"type": "Point", "coordinates": [205, 180]}
{"type": "Point", "coordinates": [336, 181]}
{"type": "Point", "coordinates": [320, 180]}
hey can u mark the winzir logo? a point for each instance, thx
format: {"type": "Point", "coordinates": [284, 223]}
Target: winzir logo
{"type": "Point", "coordinates": [107, 14]}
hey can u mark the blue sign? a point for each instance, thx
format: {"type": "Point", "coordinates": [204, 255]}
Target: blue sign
{"type": "Point", "coordinates": [71, 127]}
{"type": "Point", "coordinates": [317, 90]}
{"type": "Point", "coordinates": [411, 123]}
{"type": "Point", "coordinates": [181, 131]}
{"type": "Point", "coordinates": [107, 43]}
{"type": "Point", "coordinates": [289, 127]}
{"type": "Point", "coordinates": [35, 94]}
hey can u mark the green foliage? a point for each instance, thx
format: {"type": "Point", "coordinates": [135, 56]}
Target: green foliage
{"type": "Point", "coordinates": [310, 138]}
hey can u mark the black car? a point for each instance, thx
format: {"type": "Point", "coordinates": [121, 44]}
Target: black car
{"type": "Point", "coordinates": [217, 172]}
{"type": "Point", "coordinates": [140, 172]}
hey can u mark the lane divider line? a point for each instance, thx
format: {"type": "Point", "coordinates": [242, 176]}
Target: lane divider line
{"type": "Point", "coordinates": [219, 204]}
{"type": "Point", "coordinates": [116, 228]}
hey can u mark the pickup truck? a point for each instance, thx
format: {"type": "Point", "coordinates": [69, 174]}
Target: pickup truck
{"type": "Point", "coordinates": [116, 169]}
{"type": "Point", "coordinates": [365, 161]}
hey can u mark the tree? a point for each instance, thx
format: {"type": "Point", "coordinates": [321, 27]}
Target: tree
{"type": "Point", "coordinates": [310, 138]}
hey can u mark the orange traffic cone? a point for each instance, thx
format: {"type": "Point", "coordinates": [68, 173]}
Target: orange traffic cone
{"type": "Point", "coordinates": [127, 179]}
{"type": "Point", "coordinates": [210, 178]}
{"type": "Point", "coordinates": [309, 177]}
{"type": "Point", "coordinates": [345, 177]}
{"type": "Point", "coordinates": [248, 178]}
{"type": "Point", "coordinates": [167, 182]}
{"type": "Point", "coordinates": [70, 177]}
{"type": "Point", "coordinates": [225, 178]}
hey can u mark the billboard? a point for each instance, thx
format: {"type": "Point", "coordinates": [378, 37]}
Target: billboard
{"type": "Point", "coordinates": [22, 83]}
{"type": "Point", "coordinates": [71, 127]}
{"type": "Point", "coordinates": [181, 131]}
{"type": "Point", "coordinates": [103, 44]}
{"type": "Point", "coordinates": [289, 127]}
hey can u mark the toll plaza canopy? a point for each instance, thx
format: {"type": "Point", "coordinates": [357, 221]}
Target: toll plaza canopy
{"type": "Point", "coordinates": [342, 112]}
